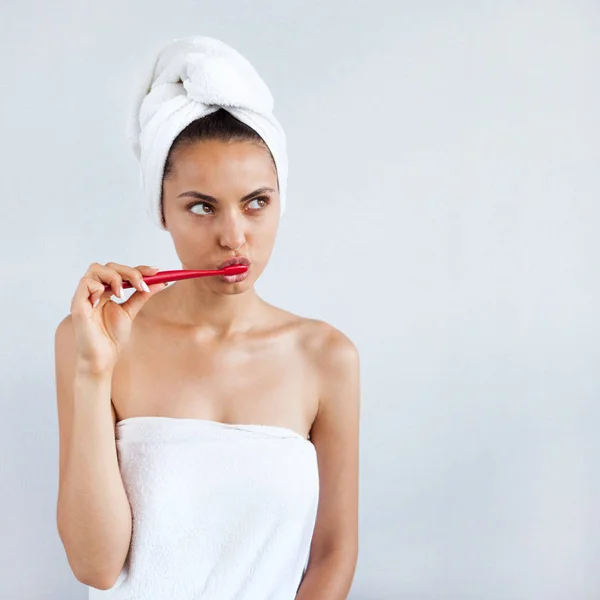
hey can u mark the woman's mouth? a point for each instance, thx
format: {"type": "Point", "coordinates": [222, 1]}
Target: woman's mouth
{"type": "Point", "coordinates": [238, 260]}
{"type": "Point", "coordinates": [234, 278]}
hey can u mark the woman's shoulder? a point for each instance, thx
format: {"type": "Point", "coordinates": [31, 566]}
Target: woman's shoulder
{"type": "Point", "coordinates": [335, 360]}
{"type": "Point", "coordinates": [332, 347]}
{"type": "Point", "coordinates": [324, 342]}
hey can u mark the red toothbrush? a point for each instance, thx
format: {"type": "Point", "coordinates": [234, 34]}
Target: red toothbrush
{"type": "Point", "coordinates": [176, 275]}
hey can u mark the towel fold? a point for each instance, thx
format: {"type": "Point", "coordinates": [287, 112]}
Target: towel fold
{"type": "Point", "coordinates": [220, 511]}
{"type": "Point", "coordinates": [190, 78]}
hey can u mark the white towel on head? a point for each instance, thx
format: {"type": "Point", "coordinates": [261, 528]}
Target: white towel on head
{"type": "Point", "coordinates": [191, 78]}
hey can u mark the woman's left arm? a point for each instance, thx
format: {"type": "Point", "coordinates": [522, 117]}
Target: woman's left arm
{"type": "Point", "coordinates": [335, 432]}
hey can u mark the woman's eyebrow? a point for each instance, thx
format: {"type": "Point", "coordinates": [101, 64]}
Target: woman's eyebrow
{"type": "Point", "coordinates": [207, 198]}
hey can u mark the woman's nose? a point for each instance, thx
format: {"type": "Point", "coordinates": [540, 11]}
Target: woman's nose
{"type": "Point", "coordinates": [232, 232]}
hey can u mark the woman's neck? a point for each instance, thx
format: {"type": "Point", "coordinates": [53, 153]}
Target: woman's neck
{"type": "Point", "coordinates": [190, 303]}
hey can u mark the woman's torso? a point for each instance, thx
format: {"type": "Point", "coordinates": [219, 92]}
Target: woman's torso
{"type": "Point", "coordinates": [239, 502]}
{"type": "Point", "coordinates": [268, 376]}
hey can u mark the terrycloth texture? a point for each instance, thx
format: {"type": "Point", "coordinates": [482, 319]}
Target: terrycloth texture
{"type": "Point", "coordinates": [220, 512]}
{"type": "Point", "coordinates": [193, 77]}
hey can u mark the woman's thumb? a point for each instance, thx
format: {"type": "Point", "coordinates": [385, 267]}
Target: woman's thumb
{"type": "Point", "coordinates": [134, 304]}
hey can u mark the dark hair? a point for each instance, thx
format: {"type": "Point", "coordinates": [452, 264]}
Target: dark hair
{"type": "Point", "coordinates": [219, 125]}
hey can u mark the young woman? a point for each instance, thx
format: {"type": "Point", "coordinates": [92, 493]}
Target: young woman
{"type": "Point", "coordinates": [208, 440]}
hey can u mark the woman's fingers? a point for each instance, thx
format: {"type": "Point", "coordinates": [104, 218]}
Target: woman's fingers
{"type": "Point", "coordinates": [137, 300]}
{"type": "Point", "coordinates": [146, 271]}
{"type": "Point", "coordinates": [112, 274]}
{"type": "Point", "coordinates": [133, 275]}
{"type": "Point", "coordinates": [107, 275]}
{"type": "Point", "coordinates": [88, 291]}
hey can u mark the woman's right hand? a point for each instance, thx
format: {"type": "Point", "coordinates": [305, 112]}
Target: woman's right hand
{"type": "Point", "coordinates": [102, 327]}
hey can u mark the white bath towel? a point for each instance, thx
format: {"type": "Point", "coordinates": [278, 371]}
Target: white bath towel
{"type": "Point", "coordinates": [220, 511]}
{"type": "Point", "coordinates": [190, 78]}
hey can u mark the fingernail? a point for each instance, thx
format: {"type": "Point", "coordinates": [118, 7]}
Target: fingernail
{"type": "Point", "coordinates": [96, 303]}
{"type": "Point", "coordinates": [121, 293]}
{"type": "Point", "coordinates": [145, 286]}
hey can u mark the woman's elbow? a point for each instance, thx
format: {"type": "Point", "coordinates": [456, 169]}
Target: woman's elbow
{"type": "Point", "coordinates": [90, 575]}
{"type": "Point", "coordinates": [100, 581]}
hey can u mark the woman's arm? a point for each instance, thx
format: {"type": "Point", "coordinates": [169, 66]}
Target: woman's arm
{"type": "Point", "coordinates": [93, 513]}
{"type": "Point", "coordinates": [335, 432]}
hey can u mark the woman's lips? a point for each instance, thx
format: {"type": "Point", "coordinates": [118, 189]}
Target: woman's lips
{"type": "Point", "coordinates": [235, 278]}
{"type": "Point", "coordinates": [237, 260]}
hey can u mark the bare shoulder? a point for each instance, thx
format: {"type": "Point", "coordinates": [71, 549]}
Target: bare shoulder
{"type": "Point", "coordinates": [65, 356]}
{"type": "Point", "coordinates": [65, 323]}
{"type": "Point", "coordinates": [64, 342]}
{"type": "Point", "coordinates": [330, 349]}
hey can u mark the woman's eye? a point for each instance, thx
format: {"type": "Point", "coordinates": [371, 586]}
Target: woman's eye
{"type": "Point", "coordinates": [263, 199]}
{"type": "Point", "coordinates": [200, 211]}
{"type": "Point", "coordinates": [202, 208]}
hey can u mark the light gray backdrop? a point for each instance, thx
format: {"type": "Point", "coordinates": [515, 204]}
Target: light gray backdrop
{"type": "Point", "coordinates": [443, 212]}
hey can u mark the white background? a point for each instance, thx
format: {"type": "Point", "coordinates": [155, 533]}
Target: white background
{"type": "Point", "coordinates": [442, 212]}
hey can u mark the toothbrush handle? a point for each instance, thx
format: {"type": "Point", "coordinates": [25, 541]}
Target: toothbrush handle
{"type": "Point", "coordinates": [176, 275]}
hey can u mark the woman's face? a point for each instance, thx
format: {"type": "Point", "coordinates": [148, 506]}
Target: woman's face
{"type": "Point", "coordinates": [220, 200]}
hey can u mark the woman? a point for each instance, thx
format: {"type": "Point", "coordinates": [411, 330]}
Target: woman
{"type": "Point", "coordinates": [208, 440]}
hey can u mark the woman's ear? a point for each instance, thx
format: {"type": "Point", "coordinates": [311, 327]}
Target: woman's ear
{"type": "Point", "coordinates": [162, 211]}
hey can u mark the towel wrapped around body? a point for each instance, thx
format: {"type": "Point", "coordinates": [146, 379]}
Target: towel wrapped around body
{"type": "Point", "coordinates": [220, 511]}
